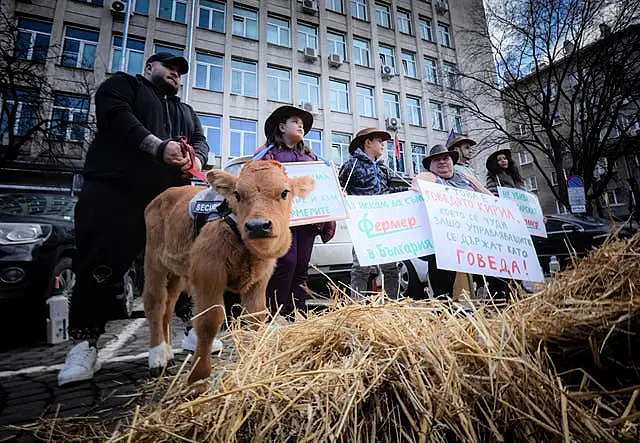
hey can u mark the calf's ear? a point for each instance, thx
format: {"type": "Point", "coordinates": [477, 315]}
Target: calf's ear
{"type": "Point", "coordinates": [223, 182]}
{"type": "Point", "coordinates": [302, 186]}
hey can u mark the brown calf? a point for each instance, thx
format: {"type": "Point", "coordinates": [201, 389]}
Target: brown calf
{"type": "Point", "coordinates": [219, 258]}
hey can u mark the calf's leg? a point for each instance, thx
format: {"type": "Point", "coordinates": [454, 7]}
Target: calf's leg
{"type": "Point", "coordinates": [154, 297]}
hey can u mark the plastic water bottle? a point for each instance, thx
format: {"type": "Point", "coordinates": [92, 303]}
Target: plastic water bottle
{"type": "Point", "coordinates": [554, 266]}
{"type": "Point", "coordinates": [58, 316]}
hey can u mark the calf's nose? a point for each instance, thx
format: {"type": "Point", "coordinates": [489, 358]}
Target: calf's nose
{"type": "Point", "coordinates": [258, 228]}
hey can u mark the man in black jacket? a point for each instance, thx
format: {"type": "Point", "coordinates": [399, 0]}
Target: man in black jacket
{"type": "Point", "coordinates": [134, 157]}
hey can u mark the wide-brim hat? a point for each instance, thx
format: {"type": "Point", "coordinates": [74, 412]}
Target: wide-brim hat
{"type": "Point", "coordinates": [281, 115]}
{"type": "Point", "coordinates": [460, 140]}
{"type": "Point", "coordinates": [168, 58]}
{"type": "Point", "coordinates": [436, 151]}
{"type": "Point", "coordinates": [505, 151]}
{"type": "Point", "coordinates": [365, 133]}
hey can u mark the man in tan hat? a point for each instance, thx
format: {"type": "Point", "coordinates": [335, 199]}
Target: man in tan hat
{"type": "Point", "coordinates": [464, 147]}
{"type": "Point", "coordinates": [365, 174]}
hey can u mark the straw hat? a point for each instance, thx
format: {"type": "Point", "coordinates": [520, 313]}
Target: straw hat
{"type": "Point", "coordinates": [281, 115]}
{"type": "Point", "coordinates": [358, 140]}
{"type": "Point", "coordinates": [437, 150]}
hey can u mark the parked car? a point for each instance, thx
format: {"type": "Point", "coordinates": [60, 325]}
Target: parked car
{"type": "Point", "coordinates": [37, 244]}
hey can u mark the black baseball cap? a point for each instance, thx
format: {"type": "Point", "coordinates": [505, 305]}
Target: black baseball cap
{"type": "Point", "coordinates": [169, 58]}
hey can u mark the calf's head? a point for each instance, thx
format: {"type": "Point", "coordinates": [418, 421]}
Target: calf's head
{"type": "Point", "coordinates": [261, 198]}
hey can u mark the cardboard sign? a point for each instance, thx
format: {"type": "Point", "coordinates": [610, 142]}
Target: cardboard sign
{"type": "Point", "coordinates": [529, 207]}
{"type": "Point", "coordinates": [325, 203]}
{"type": "Point", "coordinates": [479, 233]}
{"type": "Point", "coordinates": [388, 228]}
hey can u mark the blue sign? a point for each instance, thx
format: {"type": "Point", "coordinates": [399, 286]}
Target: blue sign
{"type": "Point", "coordinates": [575, 181]}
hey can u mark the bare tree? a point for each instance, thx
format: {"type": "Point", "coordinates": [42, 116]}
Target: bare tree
{"type": "Point", "coordinates": [28, 108]}
{"type": "Point", "coordinates": [568, 76]}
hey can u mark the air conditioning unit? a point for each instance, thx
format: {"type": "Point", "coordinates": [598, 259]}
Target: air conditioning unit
{"type": "Point", "coordinates": [117, 7]}
{"type": "Point", "coordinates": [392, 123]}
{"type": "Point", "coordinates": [442, 6]}
{"type": "Point", "coordinates": [308, 106]}
{"type": "Point", "coordinates": [309, 6]}
{"type": "Point", "coordinates": [387, 71]}
{"type": "Point", "coordinates": [335, 60]}
{"type": "Point", "coordinates": [310, 54]}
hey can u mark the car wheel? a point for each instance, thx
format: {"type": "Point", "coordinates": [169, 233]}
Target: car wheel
{"type": "Point", "coordinates": [124, 301]}
{"type": "Point", "coordinates": [66, 277]}
{"type": "Point", "coordinates": [410, 286]}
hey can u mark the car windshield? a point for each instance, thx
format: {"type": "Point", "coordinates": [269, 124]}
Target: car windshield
{"type": "Point", "coordinates": [38, 205]}
{"type": "Point", "coordinates": [589, 220]}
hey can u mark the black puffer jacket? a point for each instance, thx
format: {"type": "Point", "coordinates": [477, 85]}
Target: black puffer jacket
{"type": "Point", "coordinates": [127, 110]}
{"type": "Point", "coordinates": [368, 177]}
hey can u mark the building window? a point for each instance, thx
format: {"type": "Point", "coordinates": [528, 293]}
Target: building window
{"type": "Point", "coordinates": [340, 148]}
{"type": "Point", "coordinates": [175, 10]}
{"type": "Point", "coordinates": [418, 152]}
{"type": "Point", "coordinates": [395, 164]}
{"type": "Point", "coordinates": [437, 116]}
{"type": "Point", "coordinates": [335, 6]}
{"type": "Point", "coordinates": [426, 32]}
{"type": "Point", "coordinates": [450, 75]}
{"type": "Point", "coordinates": [391, 104]}
{"type": "Point", "coordinates": [309, 89]}
{"type": "Point", "coordinates": [366, 102]}
{"type": "Point", "coordinates": [79, 48]}
{"type": "Point", "coordinates": [211, 129]}
{"type": "Point", "coordinates": [404, 22]}
{"type": "Point", "coordinates": [212, 15]}
{"type": "Point", "coordinates": [338, 96]}
{"type": "Point", "coordinates": [457, 120]}
{"type": "Point", "coordinates": [557, 119]}
{"type": "Point", "coordinates": [414, 110]}
{"type": "Point", "coordinates": [387, 56]}
{"type": "Point", "coordinates": [244, 79]}
{"type": "Point", "coordinates": [133, 56]}
{"type": "Point", "coordinates": [141, 7]}
{"type": "Point", "coordinates": [554, 178]}
{"type": "Point", "coordinates": [361, 52]}
{"type": "Point", "coordinates": [313, 139]}
{"type": "Point", "coordinates": [278, 31]}
{"type": "Point", "coordinates": [336, 44]}
{"type": "Point", "coordinates": [69, 117]}
{"type": "Point", "coordinates": [560, 208]}
{"type": "Point", "coordinates": [383, 15]}
{"type": "Point", "coordinates": [307, 37]}
{"type": "Point", "coordinates": [530, 184]}
{"type": "Point", "coordinates": [209, 71]}
{"type": "Point", "coordinates": [279, 84]}
{"type": "Point", "coordinates": [170, 49]}
{"type": "Point", "coordinates": [245, 23]}
{"type": "Point", "coordinates": [445, 37]}
{"type": "Point", "coordinates": [244, 138]}
{"type": "Point", "coordinates": [359, 9]}
{"type": "Point", "coordinates": [614, 198]}
{"type": "Point", "coordinates": [33, 40]}
{"type": "Point", "coordinates": [26, 113]}
{"type": "Point", "coordinates": [525, 158]}
{"type": "Point", "coordinates": [431, 70]}
{"type": "Point", "coordinates": [409, 64]}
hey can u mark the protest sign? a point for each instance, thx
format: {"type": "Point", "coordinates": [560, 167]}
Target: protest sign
{"type": "Point", "coordinates": [479, 233]}
{"type": "Point", "coordinates": [388, 228]}
{"type": "Point", "coordinates": [529, 207]}
{"type": "Point", "coordinates": [325, 203]}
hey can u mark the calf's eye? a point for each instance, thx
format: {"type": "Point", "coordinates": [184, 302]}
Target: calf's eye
{"type": "Point", "coordinates": [236, 195]}
{"type": "Point", "coordinates": [284, 194]}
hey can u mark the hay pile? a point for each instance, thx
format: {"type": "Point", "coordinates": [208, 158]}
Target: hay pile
{"type": "Point", "coordinates": [535, 371]}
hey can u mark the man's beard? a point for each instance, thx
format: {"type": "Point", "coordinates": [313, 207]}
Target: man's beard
{"type": "Point", "coordinates": [164, 85]}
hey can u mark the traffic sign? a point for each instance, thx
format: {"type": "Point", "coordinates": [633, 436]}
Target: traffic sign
{"type": "Point", "coordinates": [575, 181]}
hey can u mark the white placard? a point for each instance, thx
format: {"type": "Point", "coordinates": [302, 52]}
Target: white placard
{"type": "Point", "coordinates": [479, 233]}
{"type": "Point", "coordinates": [325, 203]}
{"type": "Point", "coordinates": [529, 207]}
{"type": "Point", "coordinates": [389, 228]}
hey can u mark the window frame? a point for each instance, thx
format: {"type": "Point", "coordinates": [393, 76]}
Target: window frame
{"type": "Point", "coordinates": [360, 5]}
{"type": "Point", "coordinates": [417, 157]}
{"type": "Point", "coordinates": [174, 10]}
{"type": "Point", "coordinates": [127, 54]}
{"type": "Point", "coordinates": [69, 126]}
{"type": "Point", "coordinates": [212, 146]}
{"type": "Point", "coordinates": [333, 44]}
{"type": "Point", "coordinates": [391, 107]}
{"type": "Point", "coordinates": [337, 93]}
{"type": "Point", "coordinates": [528, 158]}
{"type": "Point", "coordinates": [33, 37]}
{"type": "Point", "coordinates": [409, 58]}
{"type": "Point", "coordinates": [436, 111]}
{"type": "Point", "coordinates": [358, 52]}
{"type": "Point", "coordinates": [250, 149]}
{"type": "Point", "coordinates": [366, 99]}
{"type": "Point", "coordinates": [211, 11]}
{"type": "Point", "coordinates": [431, 71]}
{"type": "Point", "coordinates": [404, 17]}
{"type": "Point", "coordinates": [79, 56]}
{"type": "Point", "coordinates": [308, 87]}
{"type": "Point", "coordinates": [341, 147]}
{"type": "Point", "coordinates": [338, 11]}
{"type": "Point", "coordinates": [383, 57]}
{"type": "Point", "coordinates": [414, 109]}
{"type": "Point", "coordinates": [209, 67]}
{"type": "Point", "coordinates": [300, 32]}
{"type": "Point", "coordinates": [444, 36]}
{"type": "Point", "coordinates": [425, 23]}
{"type": "Point", "coordinates": [380, 12]}
{"type": "Point", "coordinates": [244, 73]}
{"type": "Point", "coordinates": [530, 184]}
{"type": "Point", "coordinates": [237, 13]}
{"type": "Point", "coordinates": [393, 163]}
{"type": "Point", "coordinates": [279, 29]}
{"type": "Point", "coordinates": [280, 80]}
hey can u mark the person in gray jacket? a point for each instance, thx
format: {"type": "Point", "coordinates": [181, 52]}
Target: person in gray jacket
{"type": "Point", "coordinates": [365, 174]}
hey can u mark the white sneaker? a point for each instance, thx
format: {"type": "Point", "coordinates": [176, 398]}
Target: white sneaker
{"type": "Point", "coordinates": [81, 364]}
{"type": "Point", "coordinates": [190, 341]}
